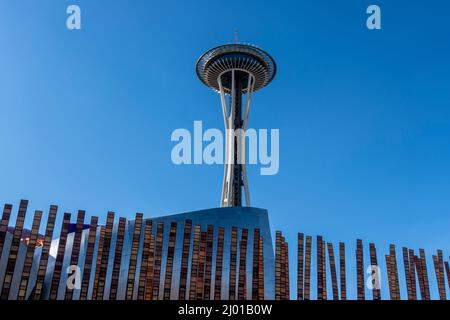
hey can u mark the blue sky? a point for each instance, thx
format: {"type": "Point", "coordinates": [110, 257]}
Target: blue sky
{"type": "Point", "coordinates": [364, 116]}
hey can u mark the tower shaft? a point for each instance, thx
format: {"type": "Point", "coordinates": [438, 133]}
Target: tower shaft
{"type": "Point", "coordinates": [235, 70]}
{"type": "Point", "coordinates": [237, 182]}
{"type": "Point", "coordinates": [235, 118]}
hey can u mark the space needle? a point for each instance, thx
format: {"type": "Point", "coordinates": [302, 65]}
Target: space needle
{"type": "Point", "coordinates": [235, 71]}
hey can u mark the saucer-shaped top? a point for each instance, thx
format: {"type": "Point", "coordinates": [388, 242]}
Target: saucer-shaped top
{"type": "Point", "coordinates": [245, 59]}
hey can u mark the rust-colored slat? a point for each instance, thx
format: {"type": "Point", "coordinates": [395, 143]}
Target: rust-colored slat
{"type": "Point", "coordinates": [334, 283]}
{"type": "Point", "coordinates": [194, 264]}
{"type": "Point", "coordinates": [201, 267]}
{"type": "Point", "coordinates": [407, 272]}
{"type": "Point", "coordinates": [158, 260]}
{"type": "Point", "coordinates": [219, 261]}
{"type": "Point", "coordinates": [89, 257]}
{"type": "Point", "coordinates": [418, 267]}
{"type": "Point", "coordinates": [447, 271]}
{"type": "Point", "coordinates": [255, 264]}
{"type": "Point", "coordinates": [300, 257]}
{"type": "Point", "coordinates": [390, 277]}
{"type": "Point", "coordinates": [242, 282]}
{"type": "Point", "coordinates": [14, 250]}
{"type": "Point", "coordinates": [278, 266]}
{"type": "Point", "coordinates": [342, 277]}
{"type": "Point", "coordinates": [261, 269]}
{"type": "Point", "coordinates": [75, 248]}
{"type": "Point", "coordinates": [105, 255]}
{"type": "Point", "coordinates": [59, 257]}
{"type": "Point", "coordinates": [233, 262]}
{"type": "Point", "coordinates": [185, 259]}
{"type": "Point", "coordinates": [117, 259]}
{"type": "Point", "coordinates": [283, 270]}
{"type": "Point", "coordinates": [101, 242]}
{"type": "Point", "coordinates": [360, 270]}
{"type": "Point", "coordinates": [4, 226]}
{"type": "Point", "coordinates": [376, 294]}
{"type": "Point", "coordinates": [208, 262]}
{"type": "Point", "coordinates": [287, 291]}
{"type": "Point", "coordinates": [440, 277]}
{"type": "Point", "coordinates": [412, 272]}
{"type": "Point", "coordinates": [169, 261]}
{"type": "Point", "coordinates": [144, 260]}
{"type": "Point", "coordinates": [324, 271]}
{"type": "Point", "coordinates": [150, 266]}
{"type": "Point", "coordinates": [37, 292]}
{"type": "Point", "coordinates": [29, 255]}
{"type": "Point", "coordinates": [423, 263]}
{"type": "Point", "coordinates": [394, 272]}
{"type": "Point", "coordinates": [134, 256]}
{"type": "Point", "coordinates": [307, 268]}
{"type": "Point", "coordinates": [440, 260]}
{"type": "Point", "coordinates": [319, 257]}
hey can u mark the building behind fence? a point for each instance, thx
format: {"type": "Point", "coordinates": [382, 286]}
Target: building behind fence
{"type": "Point", "coordinates": [214, 254]}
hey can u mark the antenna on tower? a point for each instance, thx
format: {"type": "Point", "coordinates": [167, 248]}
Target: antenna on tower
{"type": "Point", "coordinates": [236, 36]}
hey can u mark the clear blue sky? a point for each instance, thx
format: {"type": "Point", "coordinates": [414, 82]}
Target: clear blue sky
{"type": "Point", "coordinates": [364, 116]}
